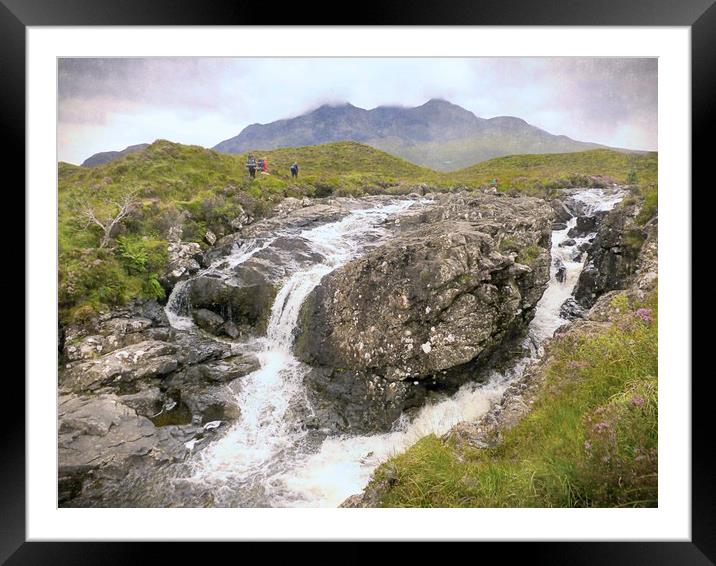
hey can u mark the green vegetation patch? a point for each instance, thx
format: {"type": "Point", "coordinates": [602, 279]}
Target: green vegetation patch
{"type": "Point", "coordinates": [540, 174]}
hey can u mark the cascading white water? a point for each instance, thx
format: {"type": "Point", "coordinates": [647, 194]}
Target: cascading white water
{"type": "Point", "coordinates": [246, 461]}
{"type": "Point", "coordinates": [177, 308]}
{"type": "Point", "coordinates": [547, 317]}
{"type": "Point", "coordinates": [266, 458]}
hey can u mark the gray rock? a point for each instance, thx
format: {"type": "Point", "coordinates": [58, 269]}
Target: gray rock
{"type": "Point", "coordinates": [183, 261]}
{"type": "Point", "coordinates": [208, 320]}
{"type": "Point", "coordinates": [450, 291]}
{"type": "Point", "coordinates": [101, 437]}
{"type": "Point", "coordinates": [147, 402]}
{"type": "Point", "coordinates": [213, 403]}
{"type": "Point", "coordinates": [246, 300]}
{"type": "Point", "coordinates": [561, 213]}
{"type": "Point", "coordinates": [586, 225]}
{"type": "Point", "coordinates": [612, 256]}
{"type": "Point", "coordinates": [225, 370]}
{"type": "Point", "coordinates": [121, 368]}
{"type": "Point", "coordinates": [231, 330]}
{"type": "Point", "coordinates": [571, 309]}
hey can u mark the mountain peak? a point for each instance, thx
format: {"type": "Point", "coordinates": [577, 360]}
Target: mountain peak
{"type": "Point", "coordinates": [439, 102]}
{"type": "Point", "coordinates": [335, 105]}
{"type": "Point", "coordinates": [437, 134]}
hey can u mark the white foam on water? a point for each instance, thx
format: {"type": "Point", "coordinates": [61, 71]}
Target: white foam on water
{"type": "Point", "coordinates": [265, 451]}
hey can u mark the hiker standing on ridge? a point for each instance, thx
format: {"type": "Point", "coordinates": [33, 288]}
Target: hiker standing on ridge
{"type": "Point", "coordinates": [294, 170]}
{"type": "Point", "coordinates": [251, 165]}
{"type": "Point", "coordinates": [263, 165]}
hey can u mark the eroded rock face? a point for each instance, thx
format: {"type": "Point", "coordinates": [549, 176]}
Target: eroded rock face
{"type": "Point", "coordinates": [612, 256]}
{"type": "Point", "coordinates": [427, 307]}
{"type": "Point", "coordinates": [586, 225]}
{"type": "Point", "coordinates": [245, 298]}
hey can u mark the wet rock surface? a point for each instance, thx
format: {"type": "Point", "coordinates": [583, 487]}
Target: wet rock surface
{"type": "Point", "coordinates": [424, 307]}
{"type": "Point", "coordinates": [612, 256]}
{"type": "Point", "coordinates": [449, 293]}
{"type": "Point", "coordinates": [488, 431]}
{"type": "Point", "coordinates": [242, 295]}
{"type": "Point", "coordinates": [133, 392]}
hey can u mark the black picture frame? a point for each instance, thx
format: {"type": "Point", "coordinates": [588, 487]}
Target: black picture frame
{"type": "Point", "coordinates": [699, 15]}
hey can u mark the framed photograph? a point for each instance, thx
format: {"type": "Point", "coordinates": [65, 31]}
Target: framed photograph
{"type": "Point", "coordinates": [366, 282]}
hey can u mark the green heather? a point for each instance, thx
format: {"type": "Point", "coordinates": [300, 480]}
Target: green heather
{"type": "Point", "coordinates": [590, 440]}
{"type": "Point", "coordinates": [205, 190]}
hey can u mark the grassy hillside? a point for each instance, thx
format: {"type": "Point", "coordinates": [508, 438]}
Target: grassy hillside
{"type": "Point", "coordinates": [202, 190]}
{"type": "Point", "coordinates": [590, 440]}
{"type": "Point", "coordinates": [545, 171]}
{"type": "Point", "coordinates": [198, 189]}
{"type": "Point", "coordinates": [344, 167]}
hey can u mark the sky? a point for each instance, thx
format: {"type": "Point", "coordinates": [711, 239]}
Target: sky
{"type": "Point", "coordinates": [107, 104]}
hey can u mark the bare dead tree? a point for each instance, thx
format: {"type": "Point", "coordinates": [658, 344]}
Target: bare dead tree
{"type": "Point", "coordinates": [125, 206]}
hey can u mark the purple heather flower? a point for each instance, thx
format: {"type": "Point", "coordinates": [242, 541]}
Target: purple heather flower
{"type": "Point", "coordinates": [644, 314]}
{"type": "Point", "coordinates": [637, 400]}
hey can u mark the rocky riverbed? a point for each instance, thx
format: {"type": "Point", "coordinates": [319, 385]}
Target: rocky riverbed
{"type": "Point", "coordinates": [333, 317]}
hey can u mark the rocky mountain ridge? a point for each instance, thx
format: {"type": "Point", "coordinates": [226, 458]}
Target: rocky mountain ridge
{"type": "Point", "coordinates": [437, 134]}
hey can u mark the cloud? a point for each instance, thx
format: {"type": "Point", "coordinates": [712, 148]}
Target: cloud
{"type": "Point", "coordinates": [109, 103]}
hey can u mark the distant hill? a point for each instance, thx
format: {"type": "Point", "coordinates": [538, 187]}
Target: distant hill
{"type": "Point", "coordinates": [107, 156]}
{"type": "Point", "coordinates": [527, 172]}
{"type": "Point", "coordinates": [439, 135]}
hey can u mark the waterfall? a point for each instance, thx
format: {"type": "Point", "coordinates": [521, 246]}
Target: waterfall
{"type": "Point", "coordinates": [264, 442]}
{"type": "Point", "coordinates": [178, 307]}
{"type": "Point", "coordinates": [268, 459]}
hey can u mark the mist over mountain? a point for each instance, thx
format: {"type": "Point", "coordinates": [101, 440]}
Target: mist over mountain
{"type": "Point", "coordinates": [438, 134]}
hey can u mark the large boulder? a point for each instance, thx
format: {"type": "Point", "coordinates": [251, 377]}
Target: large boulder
{"type": "Point", "coordinates": [562, 214]}
{"type": "Point", "coordinates": [244, 300]}
{"type": "Point", "coordinates": [426, 308]}
{"type": "Point", "coordinates": [208, 320]}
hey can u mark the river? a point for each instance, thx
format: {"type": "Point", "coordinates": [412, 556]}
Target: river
{"type": "Point", "coordinates": [268, 458]}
